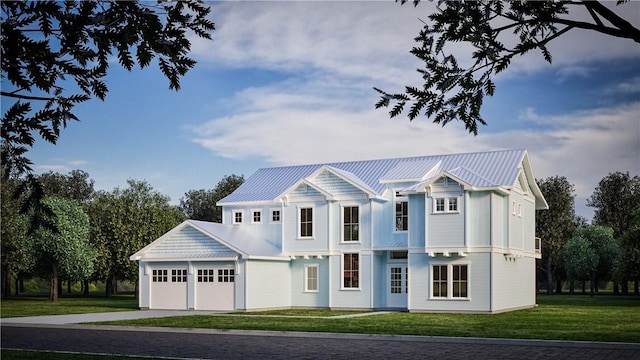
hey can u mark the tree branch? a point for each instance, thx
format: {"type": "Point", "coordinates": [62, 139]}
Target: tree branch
{"type": "Point", "coordinates": [26, 97]}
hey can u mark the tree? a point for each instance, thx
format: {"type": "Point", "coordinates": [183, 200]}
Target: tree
{"type": "Point", "coordinates": [556, 225]}
{"type": "Point", "coordinates": [455, 92]}
{"type": "Point", "coordinates": [13, 232]}
{"type": "Point", "coordinates": [76, 185]}
{"type": "Point", "coordinates": [56, 54]}
{"type": "Point", "coordinates": [616, 200]}
{"type": "Point", "coordinates": [591, 253]}
{"type": "Point", "coordinates": [201, 204]}
{"type": "Point", "coordinates": [62, 248]}
{"type": "Point", "coordinates": [123, 222]}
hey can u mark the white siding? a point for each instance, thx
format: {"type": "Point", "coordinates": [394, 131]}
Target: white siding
{"type": "Point", "coordinates": [320, 239]}
{"type": "Point", "coordinates": [513, 282]}
{"type": "Point", "coordinates": [300, 298]}
{"type": "Point", "coordinates": [268, 284]}
{"type": "Point", "coordinates": [479, 284]}
{"type": "Point", "coordinates": [480, 218]}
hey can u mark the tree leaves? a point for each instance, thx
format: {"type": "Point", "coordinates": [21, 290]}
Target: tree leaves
{"type": "Point", "coordinates": [482, 24]}
{"type": "Point", "coordinates": [48, 46]}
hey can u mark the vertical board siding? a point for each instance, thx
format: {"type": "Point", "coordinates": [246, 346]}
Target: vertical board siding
{"type": "Point", "coordinates": [513, 282]}
{"type": "Point", "coordinates": [268, 284]}
{"type": "Point", "coordinates": [351, 298]}
{"type": "Point", "coordinates": [480, 216]}
{"type": "Point", "coordinates": [300, 298]}
{"type": "Point", "coordinates": [479, 283]}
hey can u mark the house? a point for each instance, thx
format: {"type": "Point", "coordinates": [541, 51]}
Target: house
{"type": "Point", "coordinates": [447, 233]}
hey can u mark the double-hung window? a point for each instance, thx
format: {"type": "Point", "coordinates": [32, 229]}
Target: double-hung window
{"type": "Point", "coordinates": [450, 281]}
{"type": "Point", "coordinates": [351, 271]}
{"type": "Point", "coordinates": [256, 216]}
{"type": "Point", "coordinates": [350, 224]}
{"type": "Point", "coordinates": [275, 216]}
{"type": "Point", "coordinates": [402, 213]}
{"type": "Point", "coordinates": [306, 223]}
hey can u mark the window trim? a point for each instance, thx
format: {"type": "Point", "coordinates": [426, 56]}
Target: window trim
{"type": "Point", "coordinates": [253, 216]}
{"type": "Point", "coordinates": [450, 281]}
{"type": "Point", "coordinates": [272, 211]}
{"type": "Point", "coordinates": [357, 224]}
{"type": "Point", "coordinates": [343, 270]}
{"type": "Point", "coordinates": [446, 205]}
{"type": "Point", "coordinates": [313, 221]}
{"type": "Point", "coordinates": [234, 218]}
{"type": "Point", "coordinates": [306, 278]}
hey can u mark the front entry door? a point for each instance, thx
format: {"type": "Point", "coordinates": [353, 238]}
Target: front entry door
{"type": "Point", "coordinates": [398, 286]}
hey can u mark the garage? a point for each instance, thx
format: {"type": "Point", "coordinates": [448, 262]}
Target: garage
{"type": "Point", "coordinates": [169, 288]}
{"type": "Point", "coordinates": [214, 288]}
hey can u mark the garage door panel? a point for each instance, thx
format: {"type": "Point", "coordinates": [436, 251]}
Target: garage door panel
{"type": "Point", "coordinates": [215, 289]}
{"type": "Point", "coordinates": [168, 289]}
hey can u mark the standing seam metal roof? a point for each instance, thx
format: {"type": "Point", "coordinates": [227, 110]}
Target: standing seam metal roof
{"type": "Point", "coordinates": [498, 168]}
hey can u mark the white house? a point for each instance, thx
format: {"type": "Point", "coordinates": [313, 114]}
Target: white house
{"type": "Point", "coordinates": [450, 233]}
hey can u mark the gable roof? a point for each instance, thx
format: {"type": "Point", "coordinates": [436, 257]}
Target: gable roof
{"type": "Point", "coordinates": [203, 240]}
{"type": "Point", "coordinates": [481, 169]}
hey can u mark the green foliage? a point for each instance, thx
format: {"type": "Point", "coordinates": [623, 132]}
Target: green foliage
{"type": "Point", "coordinates": [201, 204]}
{"type": "Point", "coordinates": [124, 221]}
{"type": "Point", "coordinates": [591, 254]}
{"type": "Point", "coordinates": [76, 185]}
{"type": "Point", "coordinates": [616, 200]}
{"type": "Point", "coordinates": [555, 225]}
{"type": "Point", "coordinates": [63, 248]}
{"type": "Point", "coordinates": [452, 91]}
{"type": "Point", "coordinates": [56, 54]}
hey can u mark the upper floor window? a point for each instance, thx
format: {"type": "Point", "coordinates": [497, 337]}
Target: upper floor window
{"type": "Point", "coordinates": [256, 217]}
{"type": "Point", "coordinates": [237, 217]}
{"type": "Point", "coordinates": [351, 271]}
{"type": "Point", "coordinates": [275, 216]}
{"type": "Point", "coordinates": [446, 204]}
{"type": "Point", "coordinates": [306, 222]}
{"type": "Point", "coordinates": [350, 224]}
{"type": "Point", "coordinates": [402, 213]}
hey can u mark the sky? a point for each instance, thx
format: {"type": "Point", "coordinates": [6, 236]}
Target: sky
{"type": "Point", "coordinates": [287, 83]}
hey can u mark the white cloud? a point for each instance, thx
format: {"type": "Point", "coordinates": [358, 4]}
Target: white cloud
{"type": "Point", "coordinates": [61, 165]}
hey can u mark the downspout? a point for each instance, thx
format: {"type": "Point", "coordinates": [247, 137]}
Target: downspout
{"type": "Point", "coordinates": [371, 240]}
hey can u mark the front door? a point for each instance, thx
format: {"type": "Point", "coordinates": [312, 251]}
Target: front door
{"type": "Point", "coordinates": [398, 286]}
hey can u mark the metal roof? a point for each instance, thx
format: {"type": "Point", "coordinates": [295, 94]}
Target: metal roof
{"type": "Point", "coordinates": [481, 169]}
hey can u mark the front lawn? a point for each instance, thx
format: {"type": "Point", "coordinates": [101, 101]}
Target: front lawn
{"type": "Point", "coordinates": [38, 306]}
{"type": "Point", "coordinates": [560, 317]}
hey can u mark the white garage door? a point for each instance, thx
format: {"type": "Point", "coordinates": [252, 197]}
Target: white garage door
{"type": "Point", "coordinates": [215, 289]}
{"type": "Point", "coordinates": [168, 289]}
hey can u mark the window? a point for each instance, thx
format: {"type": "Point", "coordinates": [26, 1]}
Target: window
{"type": "Point", "coordinates": [179, 275]}
{"type": "Point", "coordinates": [311, 278]}
{"type": "Point", "coordinates": [206, 275]}
{"type": "Point", "coordinates": [453, 204]}
{"type": "Point", "coordinates": [160, 275]}
{"type": "Point", "coordinates": [444, 205]}
{"type": "Point", "coordinates": [396, 280]}
{"type": "Point", "coordinates": [402, 213]}
{"type": "Point", "coordinates": [350, 221]}
{"type": "Point", "coordinates": [237, 217]}
{"type": "Point", "coordinates": [439, 288]}
{"type": "Point", "coordinates": [306, 222]}
{"type": "Point", "coordinates": [450, 281]}
{"type": "Point", "coordinates": [225, 275]}
{"type": "Point", "coordinates": [520, 209]}
{"type": "Point", "coordinates": [394, 255]}
{"type": "Point", "coordinates": [256, 217]}
{"type": "Point", "coordinates": [350, 271]}
{"type": "Point", "coordinates": [459, 281]}
{"type": "Point", "coordinates": [275, 216]}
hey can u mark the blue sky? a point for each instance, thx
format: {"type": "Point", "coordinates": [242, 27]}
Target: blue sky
{"type": "Point", "coordinates": [291, 83]}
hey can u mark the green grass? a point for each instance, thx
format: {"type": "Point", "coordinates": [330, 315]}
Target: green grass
{"type": "Point", "coordinates": [559, 317]}
{"type": "Point", "coordinates": [37, 306]}
{"type": "Point", "coordinates": [305, 312]}
{"type": "Point", "coordinates": [578, 318]}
